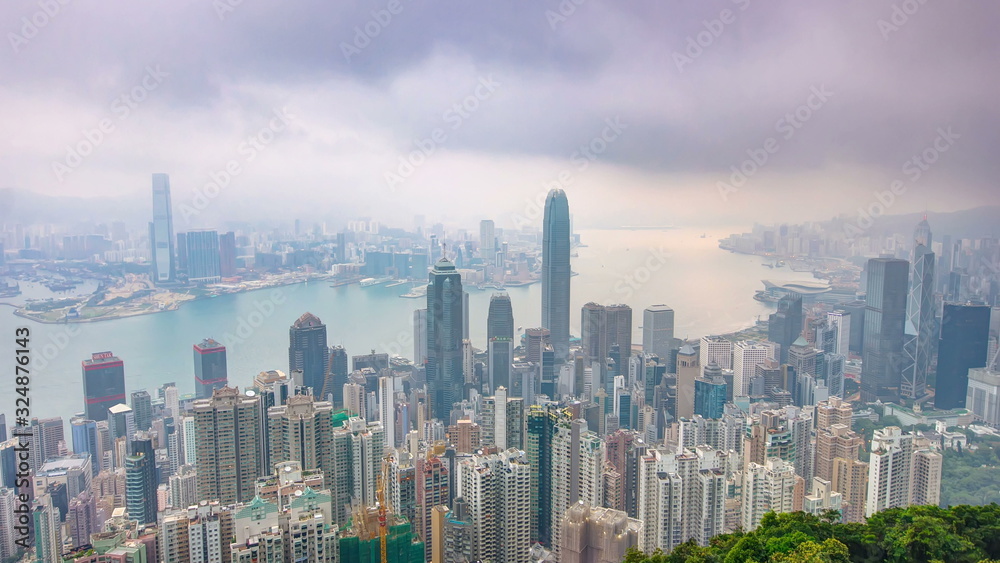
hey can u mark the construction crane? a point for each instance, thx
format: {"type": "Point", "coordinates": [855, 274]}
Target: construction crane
{"type": "Point", "coordinates": [383, 510]}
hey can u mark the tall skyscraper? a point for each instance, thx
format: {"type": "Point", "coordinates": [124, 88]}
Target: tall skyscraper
{"type": "Point", "coordinates": [103, 384]}
{"type": "Point", "coordinates": [203, 263]}
{"type": "Point", "coordinates": [500, 341]}
{"type": "Point", "coordinates": [885, 321]}
{"type": "Point", "coordinates": [487, 241]}
{"type": "Point", "coordinates": [228, 460]}
{"type": "Point", "coordinates": [658, 331]}
{"type": "Point", "coordinates": [142, 406]}
{"type": "Point", "coordinates": [445, 317]}
{"type": "Point", "coordinates": [963, 345]}
{"type": "Point", "coordinates": [227, 254]}
{"type": "Point", "coordinates": [601, 328]}
{"type": "Point", "coordinates": [920, 336]}
{"type": "Point", "coordinates": [210, 371]}
{"type": "Point", "coordinates": [432, 489]}
{"type": "Point", "coordinates": [841, 323]}
{"type": "Point", "coordinates": [556, 271]}
{"type": "Point", "coordinates": [337, 376]}
{"type": "Point", "coordinates": [302, 430]}
{"type": "Point", "coordinates": [785, 325]}
{"type": "Point", "coordinates": [141, 481]}
{"type": "Point", "coordinates": [717, 350]}
{"type": "Point", "coordinates": [746, 355]}
{"type": "Point", "coordinates": [161, 231]}
{"type": "Point", "coordinates": [307, 351]}
{"type": "Point", "coordinates": [577, 476]}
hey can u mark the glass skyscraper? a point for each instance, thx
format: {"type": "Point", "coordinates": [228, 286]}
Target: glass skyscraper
{"type": "Point", "coordinates": [964, 344]}
{"type": "Point", "coordinates": [556, 271]}
{"type": "Point", "coordinates": [500, 340]}
{"type": "Point", "coordinates": [307, 351]}
{"type": "Point", "coordinates": [161, 231]}
{"type": "Point", "coordinates": [885, 319]}
{"type": "Point", "coordinates": [203, 262]}
{"type": "Point", "coordinates": [103, 384]}
{"type": "Point", "coordinates": [210, 371]}
{"type": "Point", "coordinates": [445, 319]}
{"type": "Point", "coordinates": [920, 337]}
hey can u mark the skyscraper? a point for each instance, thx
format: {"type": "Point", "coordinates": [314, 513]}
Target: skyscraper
{"type": "Point", "coordinates": [919, 324]}
{"type": "Point", "coordinates": [103, 384]}
{"type": "Point", "coordinates": [901, 472]}
{"type": "Point", "coordinates": [141, 481]}
{"type": "Point", "coordinates": [487, 241]}
{"type": "Point", "coordinates": [227, 254]}
{"type": "Point", "coordinates": [203, 263]}
{"type": "Point", "coordinates": [963, 345]}
{"type": "Point", "coordinates": [577, 476]}
{"type": "Point", "coordinates": [337, 376]}
{"type": "Point", "coordinates": [658, 331]}
{"type": "Point", "coordinates": [228, 460]}
{"type": "Point", "coordinates": [496, 489]}
{"type": "Point", "coordinates": [161, 231]}
{"type": "Point", "coordinates": [307, 351]}
{"type": "Point", "coordinates": [885, 320]}
{"type": "Point", "coordinates": [746, 355]}
{"type": "Point", "coordinates": [209, 368]}
{"type": "Point", "coordinates": [556, 271]}
{"type": "Point", "coordinates": [603, 327]}
{"type": "Point", "coordinates": [445, 380]}
{"type": "Point", "coordinates": [500, 340]}
{"type": "Point", "coordinates": [785, 325]}
{"type": "Point", "coordinates": [302, 431]}
{"type": "Point", "coordinates": [142, 406]}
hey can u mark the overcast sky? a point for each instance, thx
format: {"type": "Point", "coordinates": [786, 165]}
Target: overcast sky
{"type": "Point", "coordinates": [668, 96]}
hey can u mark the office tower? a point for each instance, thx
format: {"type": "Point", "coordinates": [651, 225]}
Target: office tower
{"type": "Point", "coordinates": [302, 430]}
{"type": "Point", "coordinates": [535, 340]}
{"type": "Point", "coordinates": [445, 317]}
{"type": "Point", "coordinates": [540, 425]}
{"type": "Point", "coordinates": [141, 481]}
{"type": "Point", "coordinates": [885, 320]}
{"type": "Point", "coordinates": [717, 350]}
{"type": "Point", "coordinates": [709, 397]}
{"type": "Point", "coordinates": [785, 325]}
{"type": "Point", "coordinates": [161, 231]}
{"type": "Point", "coordinates": [500, 340]}
{"type": "Point", "coordinates": [963, 346]}
{"type": "Point", "coordinates": [203, 257]}
{"type": "Point", "coordinates": [681, 496]}
{"type": "Point", "coordinates": [487, 241]}
{"type": "Point", "coordinates": [375, 361]}
{"type": "Point", "coordinates": [419, 338]}
{"type": "Point", "coordinates": [841, 323]}
{"type": "Point", "coordinates": [84, 434]}
{"type": "Point", "coordinates": [181, 264]}
{"type": "Point", "coordinates": [603, 327]}
{"type": "Point", "coordinates": [919, 331]}
{"type": "Point", "coordinates": [496, 489]}
{"type": "Point", "coordinates": [3, 418]}
{"type": "Point", "coordinates": [337, 373]}
{"type": "Point", "coordinates": [210, 371]}
{"type": "Point", "coordinates": [202, 532]}
{"type": "Point", "coordinates": [556, 271]}
{"type": "Point", "coordinates": [47, 437]}
{"type": "Point", "coordinates": [577, 463]}
{"type": "Point", "coordinates": [387, 408]}
{"type": "Point", "coordinates": [8, 500]}
{"type": "Point", "coordinates": [432, 487]}
{"type": "Point", "coordinates": [983, 395]}
{"type": "Point", "coordinates": [771, 487]}
{"type": "Point", "coordinates": [121, 422]}
{"type": "Point", "coordinates": [307, 351]}
{"type": "Point", "coordinates": [227, 254]}
{"type": "Point", "coordinates": [103, 384]}
{"type": "Point", "coordinates": [658, 331]}
{"type": "Point", "coordinates": [142, 407]}
{"type": "Point", "coordinates": [688, 370]}
{"type": "Point", "coordinates": [900, 472]}
{"type": "Point", "coordinates": [746, 355]}
{"type": "Point", "coordinates": [48, 531]}
{"type": "Point", "coordinates": [228, 459]}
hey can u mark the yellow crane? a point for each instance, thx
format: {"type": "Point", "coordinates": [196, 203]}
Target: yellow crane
{"type": "Point", "coordinates": [383, 510]}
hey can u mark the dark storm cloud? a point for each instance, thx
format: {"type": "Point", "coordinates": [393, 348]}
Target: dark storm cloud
{"type": "Point", "coordinates": [698, 84]}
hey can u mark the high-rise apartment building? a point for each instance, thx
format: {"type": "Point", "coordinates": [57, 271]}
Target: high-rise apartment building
{"type": "Point", "coordinates": [556, 273]}
{"type": "Point", "coordinates": [228, 458]}
{"type": "Point", "coordinates": [901, 472]}
{"type": "Point", "coordinates": [577, 476]}
{"type": "Point", "coordinates": [496, 489]}
{"type": "Point", "coordinates": [597, 535]}
{"type": "Point", "coordinates": [771, 487]}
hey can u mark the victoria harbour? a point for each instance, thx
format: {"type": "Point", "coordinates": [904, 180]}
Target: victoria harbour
{"type": "Point", "coordinates": [710, 289]}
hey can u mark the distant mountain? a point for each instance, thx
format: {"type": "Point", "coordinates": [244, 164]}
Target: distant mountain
{"type": "Point", "coordinates": [968, 223]}
{"type": "Point", "coordinates": [22, 206]}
